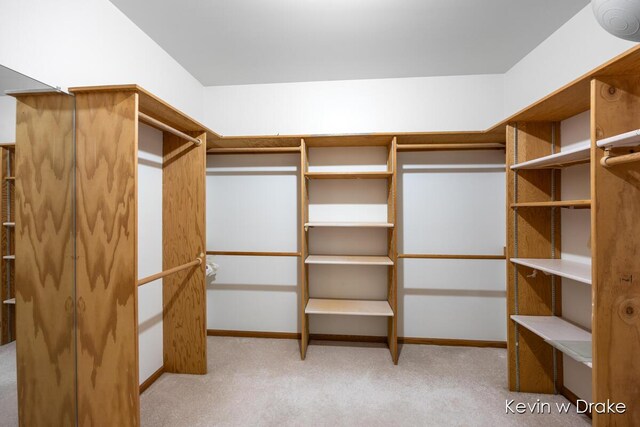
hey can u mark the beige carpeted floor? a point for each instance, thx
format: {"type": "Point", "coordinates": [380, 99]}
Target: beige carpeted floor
{"type": "Point", "coordinates": [8, 391]}
{"type": "Point", "coordinates": [261, 382]}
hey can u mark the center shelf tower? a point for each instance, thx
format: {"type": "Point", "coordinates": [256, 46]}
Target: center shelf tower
{"type": "Point", "coordinates": [351, 307]}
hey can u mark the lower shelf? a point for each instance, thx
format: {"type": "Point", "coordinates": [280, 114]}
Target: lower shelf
{"type": "Point", "coordinates": [348, 307]}
{"type": "Point", "coordinates": [10, 301]}
{"type": "Point", "coordinates": [348, 260]}
{"type": "Point", "coordinates": [573, 341]}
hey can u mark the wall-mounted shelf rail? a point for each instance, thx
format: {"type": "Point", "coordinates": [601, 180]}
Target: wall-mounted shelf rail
{"type": "Point", "coordinates": [559, 333]}
{"type": "Point", "coordinates": [348, 260]}
{"type": "Point", "coordinates": [348, 307]}
{"type": "Point", "coordinates": [577, 271]}
{"type": "Point", "coordinates": [568, 204]}
{"type": "Point", "coordinates": [578, 155]}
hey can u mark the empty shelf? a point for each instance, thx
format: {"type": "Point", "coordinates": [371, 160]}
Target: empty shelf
{"type": "Point", "coordinates": [348, 307]}
{"type": "Point", "coordinates": [627, 139]}
{"type": "Point", "coordinates": [579, 154]}
{"type": "Point", "coordinates": [350, 224]}
{"type": "Point", "coordinates": [578, 271]}
{"type": "Point", "coordinates": [9, 224]}
{"type": "Point", "coordinates": [348, 260]}
{"type": "Point", "coordinates": [570, 204]}
{"type": "Point", "coordinates": [559, 333]}
{"type": "Point", "coordinates": [348, 175]}
{"type": "Point", "coordinates": [9, 257]}
{"type": "Point", "coordinates": [10, 301]}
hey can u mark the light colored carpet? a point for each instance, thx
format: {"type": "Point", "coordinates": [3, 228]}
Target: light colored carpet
{"type": "Point", "coordinates": [8, 390]}
{"type": "Point", "coordinates": [262, 382]}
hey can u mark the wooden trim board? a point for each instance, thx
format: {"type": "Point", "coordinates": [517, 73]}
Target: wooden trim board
{"type": "Point", "coordinates": [255, 253]}
{"type": "Point", "coordinates": [152, 379]}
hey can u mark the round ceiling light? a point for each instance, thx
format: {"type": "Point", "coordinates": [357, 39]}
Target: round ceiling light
{"type": "Point", "coordinates": [619, 17]}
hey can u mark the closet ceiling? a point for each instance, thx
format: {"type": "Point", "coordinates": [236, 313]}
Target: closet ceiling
{"type": "Point", "coordinates": [225, 42]}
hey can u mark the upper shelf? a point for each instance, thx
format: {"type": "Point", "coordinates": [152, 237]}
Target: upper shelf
{"type": "Point", "coordinates": [569, 204]}
{"type": "Point", "coordinates": [578, 271]}
{"type": "Point", "coordinates": [349, 175]}
{"type": "Point", "coordinates": [574, 156]}
{"type": "Point", "coordinates": [627, 139]}
{"type": "Point", "coordinates": [349, 224]}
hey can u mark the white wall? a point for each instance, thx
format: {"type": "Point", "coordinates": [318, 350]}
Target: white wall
{"type": "Point", "coordinates": [576, 246]}
{"type": "Point", "coordinates": [356, 106]}
{"type": "Point", "coordinates": [574, 49]}
{"type": "Point", "coordinates": [150, 341]}
{"type": "Point", "coordinates": [90, 42]}
{"type": "Point", "coordinates": [7, 119]}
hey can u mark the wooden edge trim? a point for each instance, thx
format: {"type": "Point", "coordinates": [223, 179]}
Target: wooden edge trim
{"type": "Point", "coordinates": [571, 397]}
{"type": "Point", "coordinates": [241, 253]}
{"type": "Point", "coordinates": [265, 150]}
{"type": "Point", "coordinates": [358, 338]}
{"type": "Point", "coordinates": [153, 378]}
{"type": "Point", "coordinates": [438, 256]}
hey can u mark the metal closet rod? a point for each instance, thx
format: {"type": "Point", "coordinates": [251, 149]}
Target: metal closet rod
{"type": "Point", "coordinates": [195, 262]}
{"type": "Point", "coordinates": [162, 126]}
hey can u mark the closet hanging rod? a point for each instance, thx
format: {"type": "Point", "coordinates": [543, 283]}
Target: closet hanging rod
{"type": "Point", "coordinates": [195, 262]}
{"type": "Point", "coordinates": [609, 160]}
{"type": "Point", "coordinates": [158, 124]}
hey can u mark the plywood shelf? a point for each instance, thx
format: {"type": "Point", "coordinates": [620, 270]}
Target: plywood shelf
{"type": "Point", "coordinates": [11, 301]}
{"type": "Point", "coordinates": [577, 271]}
{"type": "Point", "coordinates": [627, 139]}
{"type": "Point", "coordinates": [349, 224]}
{"type": "Point", "coordinates": [565, 336]}
{"type": "Point", "coordinates": [574, 156]}
{"type": "Point", "coordinates": [569, 204]}
{"type": "Point", "coordinates": [348, 260]}
{"type": "Point", "coordinates": [349, 175]}
{"type": "Point", "coordinates": [348, 307]}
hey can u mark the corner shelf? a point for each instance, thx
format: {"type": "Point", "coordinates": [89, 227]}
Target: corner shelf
{"type": "Point", "coordinates": [11, 301]}
{"type": "Point", "coordinates": [350, 224]}
{"type": "Point", "coordinates": [557, 332]}
{"type": "Point", "coordinates": [348, 307]}
{"type": "Point", "coordinates": [580, 272]}
{"type": "Point", "coordinates": [569, 204]}
{"type": "Point", "coordinates": [627, 139]}
{"type": "Point", "coordinates": [348, 260]}
{"type": "Point", "coordinates": [579, 154]}
{"type": "Point", "coordinates": [349, 175]}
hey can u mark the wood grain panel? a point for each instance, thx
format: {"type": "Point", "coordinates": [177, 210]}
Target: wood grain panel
{"type": "Point", "coordinates": [304, 250]}
{"type": "Point", "coordinates": [107, 144]}
{"type": "Point", "coordinates": [45, 261]}
{"type": "Point", "coordinates": [183, 237]}
{"type": "Point", "coordinates": [615, 225]}
{"type": "Point", "coordinates": [533, 229]}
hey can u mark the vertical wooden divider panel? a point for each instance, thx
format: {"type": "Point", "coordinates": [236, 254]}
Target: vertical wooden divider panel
{"type": "Point", "coordinates": [533, 229]}
{"type": "Point", "coordinates": [44, 264]}
{"type": "Point", "coordinates": [183, 236]}
{"type": "Point", "coordinates": [7, 267]}
{"type": "Point", "coordinates": [304, 250]}
{"type": "Point", "coordinates": [392, 322]}
{"type": "Point", "coordinates": [615, 108]}
{"type": "Point", "coordinates": [106, 179]}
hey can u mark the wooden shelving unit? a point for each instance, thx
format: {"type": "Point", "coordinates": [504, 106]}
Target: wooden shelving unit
{"type": "Point", "coordinates": [348, 260]}
{"type": "Point", "coordinates": [580, 272]}
{"type": "Point", "coordinates": [7, 238]}
{"type": "Point", "coordinates": [350, 307]}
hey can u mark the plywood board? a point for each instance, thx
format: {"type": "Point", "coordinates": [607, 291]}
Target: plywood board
{"type": "Point", "coordinates": [107, 148]}
{"type": "Point", "coordinates": [44, 303]}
